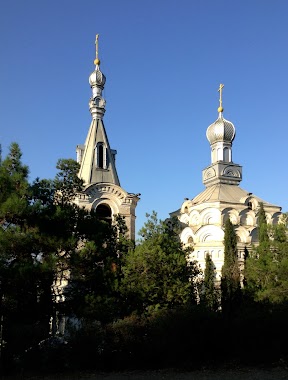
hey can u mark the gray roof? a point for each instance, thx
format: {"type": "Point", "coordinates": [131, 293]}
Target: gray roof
{"type": "Point", "coordinates": [227, 194]}
{"type": "Point", "coordinates": [89, 171]}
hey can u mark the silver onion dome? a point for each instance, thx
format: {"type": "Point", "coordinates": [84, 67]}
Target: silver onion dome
{"type": "Point", "coordinates": [97, 78]}
{"type": "Point", "coordinates": [221, 130]}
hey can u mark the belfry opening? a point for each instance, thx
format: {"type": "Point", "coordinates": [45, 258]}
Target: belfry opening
{"type": "Point", "coordinates": [103, 212]}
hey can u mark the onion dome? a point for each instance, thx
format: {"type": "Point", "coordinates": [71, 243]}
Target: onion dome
{"type": "Point", "coordinates": [221, 130]}
{"type": "Point", "coordinates": [97, 78]}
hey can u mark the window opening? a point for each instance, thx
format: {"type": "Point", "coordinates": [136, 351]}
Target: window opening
{"type": "Point", "coordinates": [103, 212]}
{"type": "Point", "coordinates": [100, 156]}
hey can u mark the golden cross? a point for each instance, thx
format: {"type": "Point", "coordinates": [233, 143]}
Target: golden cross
{"type": "Point", "coordinates": [220, 90]}
{"type": "Point", "coordinates": [96, 43]}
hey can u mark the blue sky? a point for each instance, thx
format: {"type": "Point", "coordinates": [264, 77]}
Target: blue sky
{"type": "Point", "coordinates": [163, 61]}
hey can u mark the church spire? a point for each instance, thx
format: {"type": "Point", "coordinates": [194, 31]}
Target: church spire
{"type": "Point", "coordinates": [97, 81]}
{"type": "Point", "coordinates": [220, 135]}
{"type": "Point", "coordinates": [96, 158]}
{"type": "Point", "coordinates": [102, 191]}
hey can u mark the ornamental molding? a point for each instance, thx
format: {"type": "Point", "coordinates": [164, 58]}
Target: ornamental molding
{"type": "Point", "coordinates": [210, 216]}
{"type": "Point", "coordinates": [209, 173]}
{"type": "Point", "coordinates": [230, 171]}
{"type": "Point", "coordinates": [112, 191]}
{"type": "Point", "coordinates": [210, 233]}
{"type": "Point", "coordinates": [93, 191]}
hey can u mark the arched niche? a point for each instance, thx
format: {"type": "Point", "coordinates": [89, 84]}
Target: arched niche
{"type": "Point", "coordinates": [210, 233]}
{"type": "Point", "coordinates": [230, 213]}
{"type": "Point", "coordinates": [187, 236]}
{"type": "Point", "coordinates": [247, 218]}
{"type": "Point", "coordinates": [250, 202]}
{"type": "Point", "coordinates": [185, 207]}
{"type": "Point", "coordinates": [210, 216]}
{"type": "Point", "coordinates": [104, 212]}
{"type": "Point", "coordinates": [254, 236]}
{"type": "Point", "coordinates": [242, 235]}
{"type": "Point", "coordinates": [226, 154]}
{"type": "Point", "coordinates": [194, 218]}
{"type": "Point", "coordinates": [184, 218]}
{"type": "Point", "coordinates": [276, 217]}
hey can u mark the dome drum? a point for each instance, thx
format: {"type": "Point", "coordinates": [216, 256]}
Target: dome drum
{"type": "Point", "coordinates": [220, 172]}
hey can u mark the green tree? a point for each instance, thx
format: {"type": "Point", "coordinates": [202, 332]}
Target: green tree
{"type": "Point", "coordinates": [267, 267]}
{"type": "Point", "coordinates": [262, 225]}
{"type": "Point", "coordinates": [39, 231]}
{"type": "Point", "coordinates": [96, 271]}
{"type": "Point", "coordinates": [19, 269]}
{"type": "Point", "coordinates": [230, 280]}
{"type": "Point", "coordinates": [14, 188]}
{"type": "Point", "coordinates": [157, 274]}
{"type": "Point", "coordinates": [210, 294]}
{"type": "Point", "coordinates": [67, 183]}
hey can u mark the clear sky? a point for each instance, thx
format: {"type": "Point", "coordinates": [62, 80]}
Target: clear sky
{"type": "Point", "coordinates": [164, 61]}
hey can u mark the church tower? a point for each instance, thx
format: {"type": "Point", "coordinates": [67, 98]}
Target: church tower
{"type": "Point", "coordinates": [203, 217]}
{"type": "Point", "coordinates": [220, 135]}
{"type": "Point", "coordinates": [102, 190]}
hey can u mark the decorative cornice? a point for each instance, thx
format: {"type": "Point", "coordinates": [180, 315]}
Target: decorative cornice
{"type": "Point", "coordinates": [95, 190]}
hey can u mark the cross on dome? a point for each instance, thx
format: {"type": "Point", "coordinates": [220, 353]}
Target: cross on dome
{"type": "Point", "coordinates": [97, 60]}
{"type": "Point", "coordinates": [220, 108]}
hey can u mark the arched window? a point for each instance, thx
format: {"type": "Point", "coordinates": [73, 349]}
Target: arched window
{"type": "Point", "coordinates": [226, 155]}
{"type": "Point", "coordinates": [219, 154]}
{"type": "Point", "coordinates": [190, 240]}
{"type": "Point", "coordinates": [101, 161]}
{"type": "Point", "coordinates": [100, 156]}
{"type": "Point", "coordinates": [104, 212]}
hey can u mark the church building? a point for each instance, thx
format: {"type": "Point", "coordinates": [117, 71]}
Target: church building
{"type": "Point", "coordinates": [203, 217]}
{"type": "Point", "coordinates": [102, 190]}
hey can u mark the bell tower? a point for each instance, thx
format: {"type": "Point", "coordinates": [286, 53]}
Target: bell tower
{"type": "Point", "coordinates": [102, 190]}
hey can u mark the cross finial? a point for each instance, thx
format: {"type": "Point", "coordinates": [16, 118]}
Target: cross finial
{"type": "Point", "coordinates": [97, 60]}
{"type": "Point", "coordinates": [220, 109]}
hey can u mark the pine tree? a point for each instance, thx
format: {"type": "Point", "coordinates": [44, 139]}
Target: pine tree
{"type": "Point", "coordinates": [230, 281]}
{"type": "Point", "coordinates": [37, 235]}
{"type": "Point", "coordinates": [210, 292]}
{"type": "Point", "coordinates": [96, 271]}
{"type": "Point", "coordinates": [19, 269]}
{"type": "Point", "coordinates": [14, 188]}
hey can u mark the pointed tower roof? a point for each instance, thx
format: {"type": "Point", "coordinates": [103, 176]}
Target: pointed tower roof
{"type": "Point", "coordinates": [96, 158]}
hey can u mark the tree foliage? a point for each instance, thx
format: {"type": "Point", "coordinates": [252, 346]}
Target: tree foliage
{"type": "Point", "coordinates": [262, 225]}
{"type": "Point", "coordinates": [14, 188]}
{"type": "Point", "coordinates": [96, 271]}
{"type": "Point", "coordinates": [39, 231]}
{"type": "Point", "coordinates": [230, 280]}
{"type": "Point", "coordinates": [156, 274]}
{"type": "Point", "coordinates": [266, 269]}
{"type": "Point", "coordinates": [210, 293]}
{"type": "Point", "coordinates": [114, 287]}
